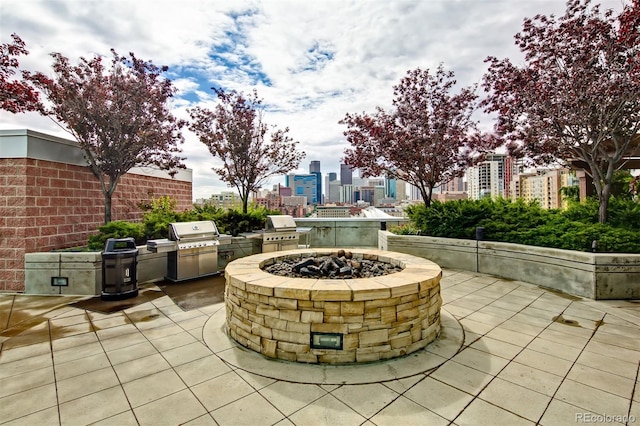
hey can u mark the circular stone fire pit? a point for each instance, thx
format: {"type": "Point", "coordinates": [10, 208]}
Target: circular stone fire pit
{"type": "Point", "coordinates": [333, 321]}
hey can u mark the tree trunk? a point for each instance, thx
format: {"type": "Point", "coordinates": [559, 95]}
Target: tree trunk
{"type": "Point", "coordinates": [107, 206]}
{"type": "Point", "coordinates": [603, 206]}
{"type": "Point", "coordinates": [245, 202]}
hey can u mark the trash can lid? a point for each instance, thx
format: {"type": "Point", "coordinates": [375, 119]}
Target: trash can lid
{"type": "Point", "coordinates": [119, 244]}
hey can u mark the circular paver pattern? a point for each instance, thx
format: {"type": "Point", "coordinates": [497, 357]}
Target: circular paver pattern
{"type": "Point", "coordinates": [435, 354]}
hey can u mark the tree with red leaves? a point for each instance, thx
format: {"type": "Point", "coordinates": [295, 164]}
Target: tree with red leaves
{"type": "Point", "coordinates": [427, 139]}
{"type": "Point", "coordinates": [577, 96]}
{"type": "Point", "coordinates": [235, 133]}
{"type": "Point", "coordinates": [15, 95]}
{"type": "Point", "coordinates": [120, 116]}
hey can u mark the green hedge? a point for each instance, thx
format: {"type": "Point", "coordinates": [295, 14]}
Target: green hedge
{"type": "Point", "coordinates": [161, 212]}
{"type": "Point", "coordinates": [527, 223]}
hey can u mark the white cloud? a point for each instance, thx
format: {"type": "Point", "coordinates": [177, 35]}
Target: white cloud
{"type": "Point", "coordinates": [312, 62]}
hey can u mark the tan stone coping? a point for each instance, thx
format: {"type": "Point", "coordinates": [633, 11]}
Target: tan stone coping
{"type": "Point", "coordinates": [435, 354]}
{"type": "Point", "coordinates": [418, 275]}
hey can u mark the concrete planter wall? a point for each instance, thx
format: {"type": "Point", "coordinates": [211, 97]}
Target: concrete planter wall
{"type": "Point", "coordinates": [84, 269]}
{"type": "Point", "coordinates": [592, 275]}
{"type": "Point", "coordinates": [360, 232]}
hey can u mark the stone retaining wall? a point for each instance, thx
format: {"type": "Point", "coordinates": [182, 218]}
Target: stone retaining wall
{"type": "Point", "coordinates": [377, 318]}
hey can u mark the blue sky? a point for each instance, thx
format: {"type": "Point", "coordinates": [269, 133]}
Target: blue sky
{"type": "Point", "coordinates": [311, 62]}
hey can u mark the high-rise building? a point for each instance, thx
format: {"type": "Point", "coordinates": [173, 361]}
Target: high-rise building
{"type": "Point", "coordinates": [346, 175]}
{"type": "Point", "coordinates": [304, 186]}
{"type": "Point", "coordinates": [314, 169]}
{"type": "Point", "coordinates": [314, 166]}
{"type": "Point", "coordinates": [487, 179]}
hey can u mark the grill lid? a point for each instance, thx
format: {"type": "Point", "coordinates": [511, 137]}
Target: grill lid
{"type": "Point", "coordinates": [277, 223]}
{"type": "Point", "coordinates": [198, 230]}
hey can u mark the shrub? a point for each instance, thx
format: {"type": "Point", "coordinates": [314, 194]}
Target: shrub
{"type": "Point", "coordinates": [527, 223]}
{"type": "Point", "coordinates": [117, 229]}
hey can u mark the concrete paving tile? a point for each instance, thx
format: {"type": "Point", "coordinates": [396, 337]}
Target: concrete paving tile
{"type": "Point", "coordinates": [85, 384]}
{"type": "Point", "coordinates": [291, 397]}
{"type": "Point", "coordinates": [187, 353]}
{"type": "Point", "coordinates": [482, 413]}
{"type": "Point", "coordinates": [28, 338]}
{"type": "Point", "coordinates": [477, 297]}
{"type": "Point", "coordinates": [72, 341]}
{"type": "Point", "coordinates": [484, 318]}
{"type": "Point", "coordinates": [79, 317]}
{"type": "Point", "coordinates": [81, 366]}
{"type": "Point", "coordinates": [221, 390]}
{"type": "Point", "coordinates": [152, 387]}
{"type": "Point", "coordinates": [124, 341]}
{"type": "Point", "coordinates": [46, 417]}
{"type": "Point", "coordinates": [19, 366]}
{"type": "Point", "coordinates": [475, 326]}
{"type": "Point", "coordinates": [462, 377]}
{"type": "Point", "coordinates": [131, 352]}
{"type": "Point", "coordinates": [564, 338]}
{"type": "Point", "coordinates": [531, 378]}
{"type": "Point", "coordinates": [365, 400]}
{"type": "Point", "coordinates": [111, 322]}
{"type": "Point", "coordinates": [541, 361]}
{"type": "Point", "coordinates": [510, 336]}
{"type": "Point", "coordinates": [561, 413]}
{"type": "Point", "coordinates": [583, 329]}
{"type": "Point", "coordinates": [255, 381]}
{"type": "Point", "coordinates": [118, 331]}
{"type": "Point", "coordinates": [126, 418]}
{"type": "Point", "coordinates": [550, 302]}
{"type": "Point", "coordinates": [178, 408]}
{"type": "Point", "coordinates": [173, 341]}
{"type": "Point", "coordinates": [250, 411]}
{"type": "Point", "coordinates": [616, 340]}
{"type": "Point", "coordinates": [512, 302]}
{"type": "Point", "coordinates": [287, 422]}
{"type": "Point", "coordinates": [94, 407]}
{"type": "Point", "coordinates": [462, 302]}
{"type": "Point", "coordinates": [553, 348]}
{"type": "Point", "coordinates": [470, 338]}
{"type": "Point", "coordinates": [634, 411]}
{"type": "Point", "coordinates": [608, 364]}
{"type": "Point", "coordinates": [438, 397]}
{"type": "Point", "coordinates": [402, 385]}
{"type": "Point", "coordinates": [16, 354]}
{"type": "Point", "coordinates": [71, 354]}
{"type": "Point", "coordinates": [327, 410]}
{"type": "Point", "coordinates": [531, 319]}
{"type": "Point", "coordinates": [137, 368]}
{"type": "Point", "coordinates": [516, 399]}
{"type": "Point", "coordinates": [522, 327]}
{"type": "Point", "coordinates": [497, 311]}
{"type": "Point", "coordinates": [403, 411]}
{"type": "Point", "coordinates": [591, 399]}
{"type": "Point", "coordinates": [602, 380]}
{"type": "Point", "coordinates": [25, 381]}
{"type": "Point", "coordinates": [27, 402]}
{"type": "Point", "coordinates": [480, 360]}
{"type": "Point", "coordinates": [194, 323]}
{"type": "Point", "coordinates": [613, 351]}
{"type": "Point", "coordinates": [201, 369]}
{"type": "Point", "coordinates": [204, 420]}
{"type": "Point", "coordinates": [459, 311]}
{"type": "Point", "coordinates": [582, 310]}
{"type": "Point", "coordinates": [70, 330]}
{"type": "Point", "coordinates": [497, 347]}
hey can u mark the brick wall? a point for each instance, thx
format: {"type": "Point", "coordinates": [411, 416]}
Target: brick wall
{"type": "Point", "coordinates": [46, 205]}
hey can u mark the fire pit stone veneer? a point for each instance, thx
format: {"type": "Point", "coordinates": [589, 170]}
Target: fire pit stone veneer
{"type": "Point", "coordinates": [368, 319]}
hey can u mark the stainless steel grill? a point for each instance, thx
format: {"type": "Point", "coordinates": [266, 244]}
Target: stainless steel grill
{"type": "Point", "coordinates": [280, 233]}
{"type": "Point", "coordinates": [192, 249]}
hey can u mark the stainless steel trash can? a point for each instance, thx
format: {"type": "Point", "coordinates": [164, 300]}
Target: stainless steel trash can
{"type": "Point", "coordinates": [119, 269]}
